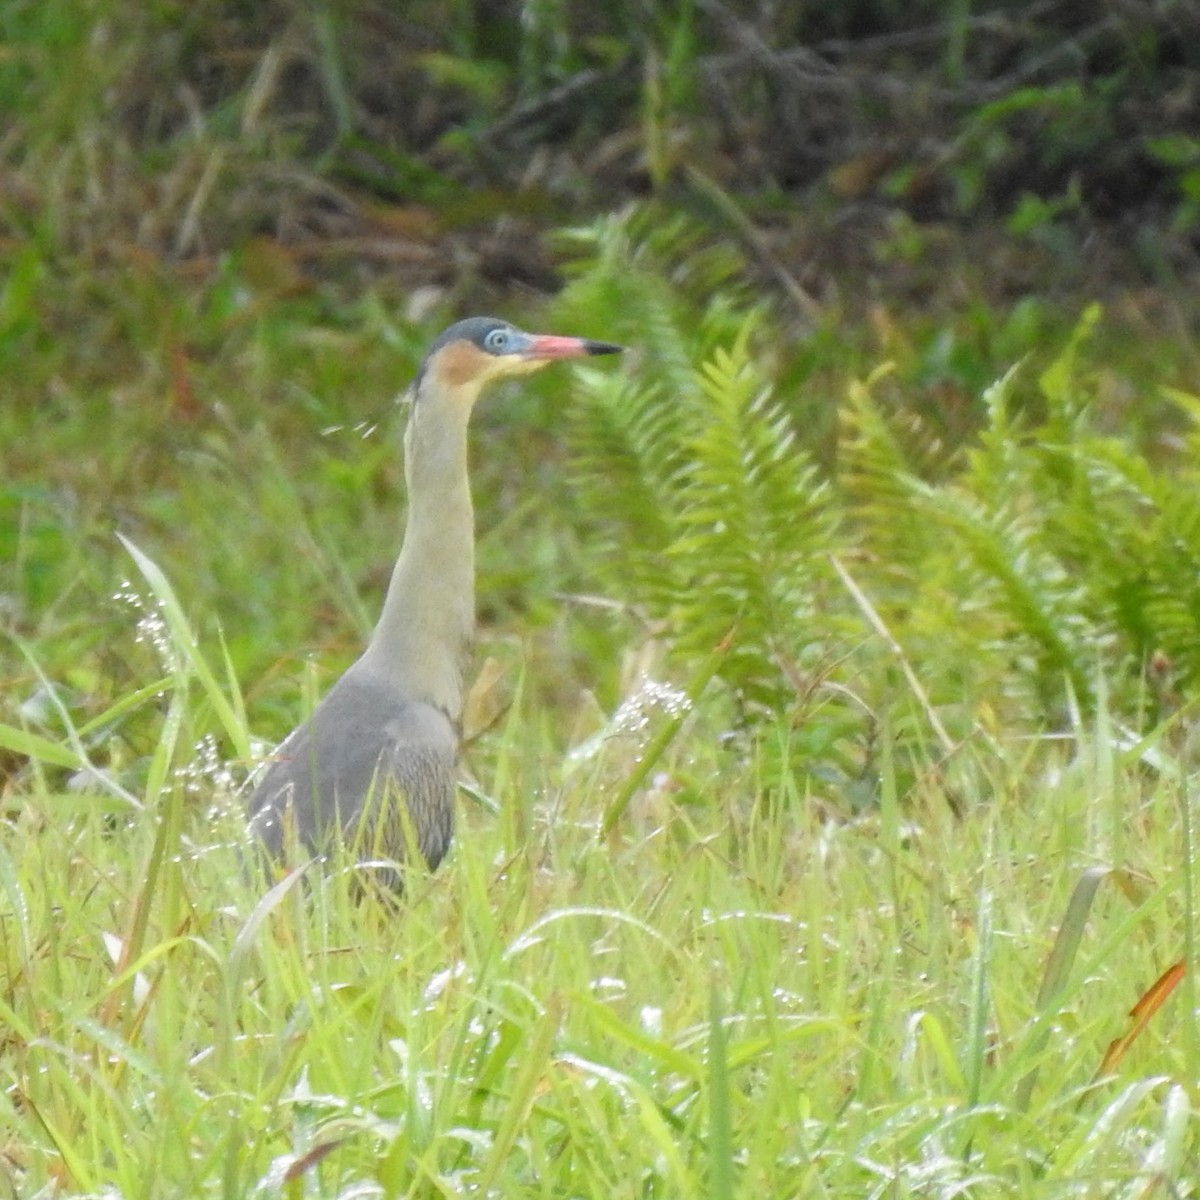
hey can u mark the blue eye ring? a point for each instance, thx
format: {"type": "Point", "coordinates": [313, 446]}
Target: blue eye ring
{"type": "Point", "coordinates": [497, 341]}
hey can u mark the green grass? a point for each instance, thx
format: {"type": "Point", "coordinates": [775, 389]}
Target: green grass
{"type": "Point", "coordinates": [539, 1017]}
{"type": "Point", "coordinates": [713, 1001]}
{"type": "Point", "coordinates": [677, 956]}
{"type": "Point", "coordinates": [882, 886]}
{"type": "Point", "coordinates": [699, 953]}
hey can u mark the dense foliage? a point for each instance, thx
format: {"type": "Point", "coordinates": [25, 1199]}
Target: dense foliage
{"type": "Point", "coordinates": [828, 823]}
{"type": "Point", "coordinates": [1008, 573]}
{"type": "Point", "coordinates": [366, 130]}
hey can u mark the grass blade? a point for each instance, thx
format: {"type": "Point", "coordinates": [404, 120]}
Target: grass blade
{"type": "Point", "coordinates": [524, 1088]}
{"type": "Point", "coordinates": [1150, 1001]}
{"type": "Point", "coordinates": [720, 1130]}
{"type": "Point", "coordinates": [41, 749]}
{"type": "Point", "coordinates": [184, 641]}
{"type": "Point", "coordinates": [1058, 965]}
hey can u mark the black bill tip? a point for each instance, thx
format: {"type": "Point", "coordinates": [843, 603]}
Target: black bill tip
{"type": "Point", "coordinates": [591, 347]}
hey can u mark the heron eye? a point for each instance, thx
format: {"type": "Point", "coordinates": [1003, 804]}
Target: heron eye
{"type": "Point", "coordinates": [497, 340]}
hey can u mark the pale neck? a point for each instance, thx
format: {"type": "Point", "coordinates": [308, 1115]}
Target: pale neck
{"type": "Point", "coordinates": [421, 641]}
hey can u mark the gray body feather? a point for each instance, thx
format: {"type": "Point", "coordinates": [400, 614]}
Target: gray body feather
{"type": "Point", "coordinates": [371, 765]}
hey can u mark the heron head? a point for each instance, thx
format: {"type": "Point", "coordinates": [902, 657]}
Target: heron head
{"type": "Point", "coordinates": [473, 353]}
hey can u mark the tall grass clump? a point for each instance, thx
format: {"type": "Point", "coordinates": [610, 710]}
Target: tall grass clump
{"type": "Point", "coordinates": [735, 998]}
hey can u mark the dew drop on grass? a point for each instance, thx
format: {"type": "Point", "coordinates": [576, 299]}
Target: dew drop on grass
{"type": "Point", "coordinates": [634, 718]}
{"type": "Point", "coordinates": [151, 628]}
{"type": "Point", "coordinates": [442, 980]}
{"type": "Point", "coordinates": [206, 769]}
{"type": "Point", "coordinates": [609, 987]}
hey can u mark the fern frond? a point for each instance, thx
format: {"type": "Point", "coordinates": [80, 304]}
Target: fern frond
{"type": "Point", "coordinates": [626, 455]}
{"type": "Point", "coordinates": [878, 454]}
{"type": "Point", "coordinates": [1099, 513]}
{"type": "Point", "coordinates": [1063, 384]}
{"type": "Point", "coordinates": [661, 285]}
{"type": "Point", "coordinates": [1027, 586]}
{"type": "Point", "coordinates": [756, 529]}
{"type": "Point", "coordinates": [1144, 552]}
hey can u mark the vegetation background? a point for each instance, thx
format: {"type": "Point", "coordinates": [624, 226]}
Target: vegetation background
{"type": "Point", "coordinates": [828, 819]}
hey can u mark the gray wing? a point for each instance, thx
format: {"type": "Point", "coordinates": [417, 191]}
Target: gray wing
{"type": "Point", "coordinates": [365, 744]}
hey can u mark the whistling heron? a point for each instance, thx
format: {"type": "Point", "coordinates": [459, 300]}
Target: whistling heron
{"type": "Point", "coordinates": [375, 763]}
